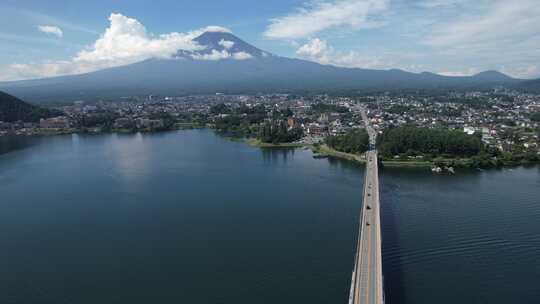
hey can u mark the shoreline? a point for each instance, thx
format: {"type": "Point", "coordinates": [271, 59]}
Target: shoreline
{"type": "Point", "coordinates": [323, 150]}
{"type": "Point", "coordinates": [255, 143]}
{"type": "Point", "coordinates": [318, 150]}
{"type": "Point", "coordinates": [56, 132]}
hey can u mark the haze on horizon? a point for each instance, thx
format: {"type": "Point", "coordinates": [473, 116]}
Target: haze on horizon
{"type": "Point", "coordinates": [448, 37]}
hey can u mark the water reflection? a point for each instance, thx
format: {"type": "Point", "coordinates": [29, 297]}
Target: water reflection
{"type": "Point", "coordinates": [14, 143]}
{"type": "Point", "coordinates": [391, 248]}
{"type": "Point", "coordinates": [343, 164]}
{"type": "Point", "coordinates": [277, 155]}
{"type": "Point", "coordinates": [165, 213]}
{"type": "Point", "coordinates": [129, 155]}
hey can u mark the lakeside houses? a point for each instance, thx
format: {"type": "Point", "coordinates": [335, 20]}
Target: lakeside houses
{"type": "Point", "coordinates": [503, 119]}
{"type": "Point", "coordinates": [60, 122]}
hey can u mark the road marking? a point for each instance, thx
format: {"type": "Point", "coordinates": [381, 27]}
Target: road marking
{"type": "Point", "coordinates": [367, 265]}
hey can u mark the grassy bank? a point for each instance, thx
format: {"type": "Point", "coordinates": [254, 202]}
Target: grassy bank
{"type": "Point", "coordinates": [463, 162]}
{"type": "Point", "coordinates": [437, 162]}
{"type": "Point", "coordinates": [259, 144]}
{"type": "Point", "coordinates": [325, 150]}
{"type": "Point", "coordinates": [321, 150]}
{"type": "Point", "coordinates": [407, 164]}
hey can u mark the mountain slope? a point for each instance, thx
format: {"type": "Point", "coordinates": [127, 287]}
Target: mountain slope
{"type": "Point", "coordinates": [532, 86]}
{"type": "Point", "coordinates": [493, 76]}
{"type": "Point", "coordinates": [13, 109]}
{"type": "Point", "coordinates": [222, 41]}
{"type": "Point", "coordinates": [241, 68]}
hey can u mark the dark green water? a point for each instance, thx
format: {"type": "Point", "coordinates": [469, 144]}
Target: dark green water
{"type": "Point", "coordinates": [189, 217]}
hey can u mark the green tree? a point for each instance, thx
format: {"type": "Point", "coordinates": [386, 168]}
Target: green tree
{"type": "Point", "coordinates": [276, 131]}
{"type": "Point", "coordinates": [396, 141]}
{"type": "Point", "coordinates": [356, 141]}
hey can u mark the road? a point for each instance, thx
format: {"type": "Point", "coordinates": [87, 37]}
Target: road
{"type": "Point", "coordinates": [367, 280]}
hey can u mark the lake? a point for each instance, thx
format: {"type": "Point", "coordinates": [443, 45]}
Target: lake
{"type": "Point", "coordinates": [191, 217]}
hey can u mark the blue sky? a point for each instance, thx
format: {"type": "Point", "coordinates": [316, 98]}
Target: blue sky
{"type": "Point", "coordinates": [452, 37]}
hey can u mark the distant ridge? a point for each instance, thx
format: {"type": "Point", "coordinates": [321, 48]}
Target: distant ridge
{"type": "Point", "coordinates": [493, 76]}
{"type": "Point", "coordinates": [241, 69]}
{"type": "Point", "coordinates": [532, 86]}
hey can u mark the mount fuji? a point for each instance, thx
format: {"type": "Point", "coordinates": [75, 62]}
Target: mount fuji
{"type": "Point", "coordinates": [227, 64]}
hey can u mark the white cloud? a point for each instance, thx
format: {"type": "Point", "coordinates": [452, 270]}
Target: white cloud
{"type": "Point", "coordinates": [50, 29]}
{"type": "Point", "coordinates": [215, 28]}
{"type": "Point", "coordinates": [224, 54]}
{"type": "Point", "coordinates": [26, 71]}
{"type": "Point", "coordinates": [489, 34]}
{"type": "Point", "coordinates": [39, 18]}
{"type": "Point", "coordinates": [502, 22]}
{"type": "Point", "coordinates": [214, 55]}
{"type": "Point", "coordinates": [242, 56]}
{"type": "Point", "coordinates": [315, 48]}
{"type": "Point", "coordinates": [34, 42]}
{"type": "Point", "coordinates": [441, 3]}
{"type": "Point", "coordinates": [226, 44]}
{"type": "Point", "coordinates": [466, 72]}
{"type": "Point", "coordinates": [319, 51]}
{"type": "Point", "coordinates": [125, 41]}
{"type": "Point", "coordinates": [321, 15]}
{"type": "Point", "coordinates": [525, 71]}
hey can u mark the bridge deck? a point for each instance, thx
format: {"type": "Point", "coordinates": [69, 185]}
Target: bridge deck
{"type": "Point", "coordinates": [367, 280]}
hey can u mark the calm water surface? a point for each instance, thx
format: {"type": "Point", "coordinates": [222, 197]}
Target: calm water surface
{"type": "Point", "coordinates": [189, 217]}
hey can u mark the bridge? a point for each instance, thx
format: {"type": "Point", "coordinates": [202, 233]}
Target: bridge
{"type": "Point", "coordinates": [367, 278]}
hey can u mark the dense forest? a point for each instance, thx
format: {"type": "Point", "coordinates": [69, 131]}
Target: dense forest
{"type": "Point", "coordinates": [277, 131]}
{"type": "Point", "coordinates": [356, 141]}
{"type": "Point", "coordinates": [236, 126]}
{"type": "Point", "coordinates": [242, 121]}
{"type": "Point", "coordinates": [13, 109]}
{"type": "Point", "coordinates": [423, 141]}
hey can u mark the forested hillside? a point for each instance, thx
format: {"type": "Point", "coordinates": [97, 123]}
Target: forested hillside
{"type": "Point", "coordinates": [13, 109]}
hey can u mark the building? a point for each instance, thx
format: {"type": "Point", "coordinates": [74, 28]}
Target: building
{"type": "Point", "coordinates": [317, 129]}
{"type": "Point", "coordinates": [469, 130]}
{"type": "Point", "coordinates": [291, 123]}
{"type": "Point", "coordinates": [60, 122]}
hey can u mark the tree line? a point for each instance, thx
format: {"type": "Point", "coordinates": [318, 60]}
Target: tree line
{"type": "Point", "coordinates": [355, 141]}
{"type": "Point", "coordinates": [242, 121]}
{"type": "Point", "coordinates": [277, 131]}
{"type": "Point", "coordinates": [327, 108]}
{"type": "Point", "coordinates": [424, 141]}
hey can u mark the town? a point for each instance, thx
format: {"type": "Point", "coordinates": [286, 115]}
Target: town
{"type": "Point", "coordinates": [504, 120]}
